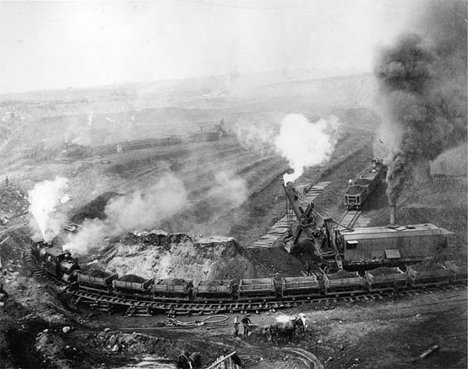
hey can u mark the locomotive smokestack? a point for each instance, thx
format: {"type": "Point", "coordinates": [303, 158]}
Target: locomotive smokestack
{"type": "Point", "coordinates": [392, 214]}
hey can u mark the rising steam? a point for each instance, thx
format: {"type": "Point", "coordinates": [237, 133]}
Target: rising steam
{"type": "Point", "coordinates": [423, 89]}
{"type": "Point", "coordinates": [305, 144]}
{"type": "Point", "coordinates": [44, 199]}
{"type": "Point", "coordinates": [301, 142]}
{"type": "Point", "coordinates": [139, 210]}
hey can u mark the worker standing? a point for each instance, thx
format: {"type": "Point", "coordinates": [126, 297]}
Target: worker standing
{"type": "Point", "coordinates": [307, 267]}
{"type": "Point", "coordinates": [3, 297]}
{"type": "Point", "coordinates": [246, 324]}
{"type": "Point", "coordinates": [395, 292]}
{"type": "Point", "coordinates": [236, 326]}
{"type": "Point", "coordinates": [7, 182]}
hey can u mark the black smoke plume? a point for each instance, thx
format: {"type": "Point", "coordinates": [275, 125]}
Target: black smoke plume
{"type": "Point", "coordinates": [423, 87]}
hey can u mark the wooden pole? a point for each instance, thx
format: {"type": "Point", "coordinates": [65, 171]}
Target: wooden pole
{"type": "Point", "coordinates": [217, 362]}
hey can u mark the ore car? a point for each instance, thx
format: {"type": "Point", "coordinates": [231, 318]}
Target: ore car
{"type": "Point", "coordinates": [428, 273]}
{"type": "Point", "coordinates": [173, 288]}
{"type": "Point", "coordinates": [343, 282]}
{"type": "Point", "coordinates": [215, 290]}
{"type": "Point", "coordinates": [360, 189]}
{"type": "Point", "coordinates": [132, 285]}
{"type": "Point", "coordinates": [385, 278]}
{"type": "Point", "coordinates": [254, 288]}
{"type": "Point", "coordinates": [456, 272]}
{"type": "Point", "coordinates": [96, 280]}
{"type": "Point", "coordinates": [300, 286]}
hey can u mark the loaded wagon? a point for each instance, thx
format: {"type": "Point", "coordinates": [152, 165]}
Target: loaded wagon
{"type": "Point", "coordinates": [173, 288]}
{"type": "Point", "coordinates": [96, 280]}
{"type": "Point", "coordinates": [457, 273]}
{"type": "Point", "coordinates": [385, 278]}
{"type": "Point", "coordinates": [132, 285]}
{"type": "Point", "coordinates": [216, 289]}
{"type": "Point", "coordinates": [428, 273]}
{"type": "Point", "coordinates": [343, 282]}
{"type": "Point", "coordinates": [262, 287]}
{"type": "Point", "coordinates": [300, 286]}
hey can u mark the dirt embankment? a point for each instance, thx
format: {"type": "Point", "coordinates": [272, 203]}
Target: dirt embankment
{"type": "Point", "coordinates": [162, 255]}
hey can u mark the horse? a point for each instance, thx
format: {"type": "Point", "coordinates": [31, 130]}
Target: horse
{"type": "Point", "coordinates": [285, 328]}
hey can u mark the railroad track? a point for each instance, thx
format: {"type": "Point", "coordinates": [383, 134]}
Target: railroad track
{"type": "Point", "coordinates": [145, 306]}
{"type": "Point", "coordinates": [349, 219]}
{"type": "Point", "coordinates": [309, 359]}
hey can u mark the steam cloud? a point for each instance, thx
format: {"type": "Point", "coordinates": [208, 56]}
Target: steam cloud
{"type": "Point", "coordinates": [305, 144]}
{"type": "Point", "coordinates": [423, 88]}
{"type": "Point", "coordinates": [137, 210]}
{"type": "Point", "coordinates": [301, 142]}
{"type": "Point", "coordinates": [44, 199]}
{"type": "Point", "coordinates": [229, 192]}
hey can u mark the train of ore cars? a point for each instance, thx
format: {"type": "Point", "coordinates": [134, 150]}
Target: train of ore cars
{"type": "Point", "coordinates": [63, 266]}
{"type": "Point", "coordinates": [365, 259]}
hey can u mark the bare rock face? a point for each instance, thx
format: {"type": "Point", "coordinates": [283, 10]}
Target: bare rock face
{"type": "Point", "coordinates": [164, 255]}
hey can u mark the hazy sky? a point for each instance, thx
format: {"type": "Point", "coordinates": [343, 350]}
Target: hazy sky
{"type": "Point", "coordinates": [76, 44]}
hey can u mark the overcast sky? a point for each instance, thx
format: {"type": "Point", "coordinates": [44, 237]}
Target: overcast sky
{"type": "Point", "coordinates": [56, 44]}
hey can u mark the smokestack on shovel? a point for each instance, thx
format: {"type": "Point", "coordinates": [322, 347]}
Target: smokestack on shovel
{"type": "Point", "coordinates": [392, 214]}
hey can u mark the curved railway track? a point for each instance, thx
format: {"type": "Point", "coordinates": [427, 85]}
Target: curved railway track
{"type": "Point", "coordinates": [145, 306]}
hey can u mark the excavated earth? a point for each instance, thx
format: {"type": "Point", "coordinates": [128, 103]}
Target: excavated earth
{"type": "Point", "coordinates": [41, 328]}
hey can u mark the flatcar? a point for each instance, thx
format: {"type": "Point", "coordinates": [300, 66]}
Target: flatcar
{"type": "Point", "coordinates": [360, 189]}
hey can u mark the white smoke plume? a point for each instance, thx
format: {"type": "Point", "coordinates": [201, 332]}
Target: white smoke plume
{"type": "Point", "coordinates": [229, 191]}
{"type": "Point", "coordinates": [44, 199]}
{"type": "Point", "coordinates": [305, 144]}
{"type": "Point", "coordinates": [139, 210]}
{"type": "Point", "coordinates": [258, 133]}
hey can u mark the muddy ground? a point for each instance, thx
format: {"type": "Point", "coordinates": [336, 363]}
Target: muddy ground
{"type": "Point", "coordinates": [40, 329]}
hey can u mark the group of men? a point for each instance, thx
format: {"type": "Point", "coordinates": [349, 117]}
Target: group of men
{"type": "Point", "coordinates": [246, 323]}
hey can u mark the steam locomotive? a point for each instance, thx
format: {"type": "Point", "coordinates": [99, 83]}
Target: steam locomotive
{"type": "Point", "coordinates": [62, 265]}
{"type": "Point", "coordinates": [360, 188]}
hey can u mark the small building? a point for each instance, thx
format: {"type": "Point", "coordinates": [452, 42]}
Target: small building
{"type": "Point", "coordinates": [411, 243]}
